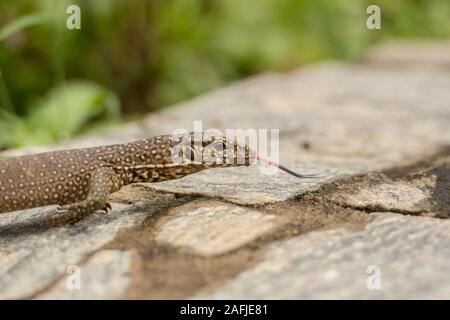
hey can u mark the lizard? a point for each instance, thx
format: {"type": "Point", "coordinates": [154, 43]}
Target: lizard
{"type": "Point", "coordinates": [79, 181]}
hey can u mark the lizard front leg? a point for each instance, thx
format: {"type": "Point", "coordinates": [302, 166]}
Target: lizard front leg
{"type": "Point", "coordinates": [102, 183]}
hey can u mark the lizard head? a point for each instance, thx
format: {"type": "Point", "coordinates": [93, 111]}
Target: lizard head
{"type": "Point", "coordinates": [170, 157]}
{"type": "Point", "coordinates": [209, 151]}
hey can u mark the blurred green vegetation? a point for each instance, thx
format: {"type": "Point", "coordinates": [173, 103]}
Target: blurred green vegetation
{"type": "Point", "coordinates": [134, 56]}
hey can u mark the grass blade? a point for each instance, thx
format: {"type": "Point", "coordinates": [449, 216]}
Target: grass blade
{"type": "Point", "coordinates": [22, 23]}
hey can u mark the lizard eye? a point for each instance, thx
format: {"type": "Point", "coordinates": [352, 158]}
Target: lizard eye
{"type": "Point", "coordinates": [187, 154]}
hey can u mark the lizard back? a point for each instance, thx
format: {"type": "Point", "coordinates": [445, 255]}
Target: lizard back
{"type": "Point", "coordinates": [58, 177]}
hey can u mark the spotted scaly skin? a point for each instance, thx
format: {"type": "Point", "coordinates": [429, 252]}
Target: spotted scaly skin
{"type": "Point", "coordinates": [80, 181]}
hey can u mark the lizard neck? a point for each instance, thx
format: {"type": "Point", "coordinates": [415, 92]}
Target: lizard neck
{"type": "Point", "coordinates": [158, 173]}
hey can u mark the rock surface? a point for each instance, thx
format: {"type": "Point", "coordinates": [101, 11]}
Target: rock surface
{"type": "Point", "coordinates": [395, 257]}
{"type": "Point", "coordinates": [215, 229]}
{"type": "Point", "coordinates": [239, 233]}
{"type": "Point", "coordinates": [401, 54]}
{"type": "Point", "coordinates": [93, 281]}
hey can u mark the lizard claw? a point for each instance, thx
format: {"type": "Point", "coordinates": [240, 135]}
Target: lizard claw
{"type": "Point", "coordinates": [107, 208]}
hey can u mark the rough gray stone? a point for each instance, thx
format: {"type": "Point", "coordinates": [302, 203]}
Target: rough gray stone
{"type": "Point", "coordinates": [410, 54]}
{"type": "Point", "coordinates": [103, 276]}
{"type": "Point", "coordinates": [411, 197]}
{"type": "Point", "coordinates": [242, 185]}
{"type": "Point", "coordinates": [215, 229]}
{"type": "Point", "coordinates": [33, 256]}
{"type": "Point", "coordinates": [410, 253]}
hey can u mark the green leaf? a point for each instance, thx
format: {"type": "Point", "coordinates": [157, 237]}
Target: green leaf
{"type": "Point", "coordinates": [22, 23]}
{"type": "Point", "coordinates": [8, 122]}
{"type": "Point", "coordinates": [67, 110]}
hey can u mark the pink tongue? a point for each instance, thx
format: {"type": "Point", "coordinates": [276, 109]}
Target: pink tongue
{"type": "Point", "coordinates": [283, 168]}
